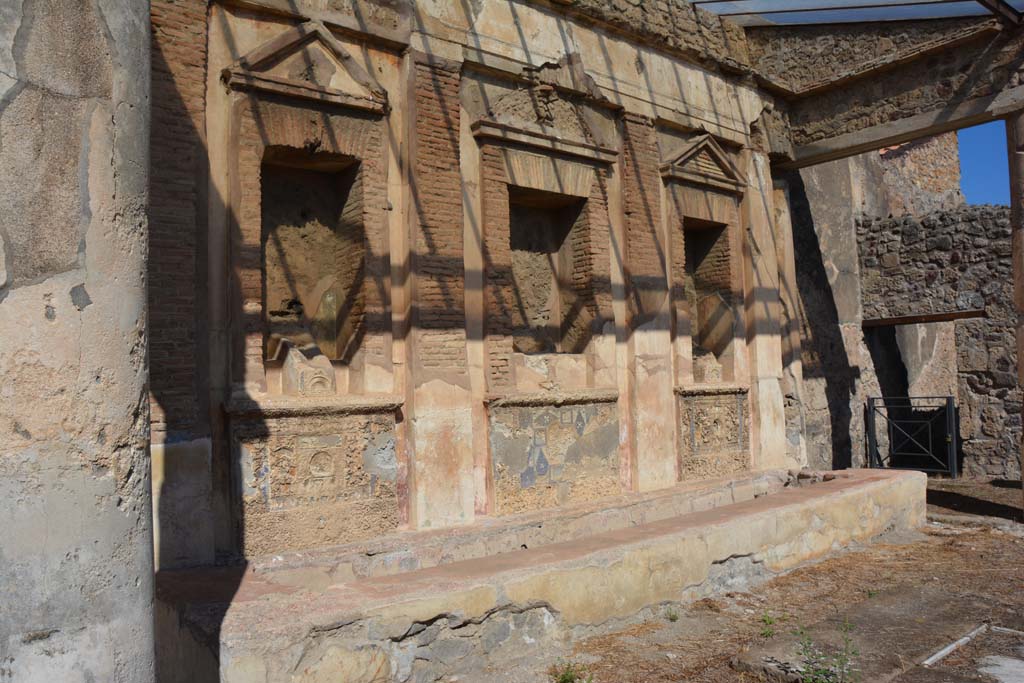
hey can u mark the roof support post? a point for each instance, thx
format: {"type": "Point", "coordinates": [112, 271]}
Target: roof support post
{"type": "Point", "coordinates": [1015, 143]}
{"type": "Point", "coordinates": [1002, 9]}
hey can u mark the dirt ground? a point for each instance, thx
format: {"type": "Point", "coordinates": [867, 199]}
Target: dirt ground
{"type": "Point", "coordinates": [978, 569]}
{"type": "Point", "coordinates": [995, 498]}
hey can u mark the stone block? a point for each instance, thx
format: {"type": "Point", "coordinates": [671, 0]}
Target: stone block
{"type": "Point", "coordinates": [307, 373]}
{"type": "Point", "coordinates": [182, 483]}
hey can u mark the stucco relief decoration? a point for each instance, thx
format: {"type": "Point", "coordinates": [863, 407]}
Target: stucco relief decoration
{"type": "Point", "coordinates": [294, 469]}
{"type": "Point", "coordinates": [713, 434]}
{"type": "Point", "coordinates": [705, 163]}
{"type": "Point", "coordinates": [334, 477]}
{"type": "Point", "coordinates": [307, 62]}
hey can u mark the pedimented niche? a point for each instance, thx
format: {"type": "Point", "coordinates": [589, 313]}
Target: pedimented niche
{"type": "Point", "coordinates": [706, 164]}
{"type": "Point", "coordinates": [307, 62]}
{"type": "Point", "coordinates": [704, 190]}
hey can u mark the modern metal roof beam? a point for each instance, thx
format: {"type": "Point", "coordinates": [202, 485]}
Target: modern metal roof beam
{"type": "Point", "coordinates": [1003, 10]}
{"type": "Point", "coordinates": [828, 8]}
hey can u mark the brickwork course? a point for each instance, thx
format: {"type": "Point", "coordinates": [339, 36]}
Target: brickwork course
{"type": "Point", "coordinates": [438, 209]}
{"type": "Point", "coordinates": [645, 261]}
{"type": "Point", "coordinates": [177, 261]}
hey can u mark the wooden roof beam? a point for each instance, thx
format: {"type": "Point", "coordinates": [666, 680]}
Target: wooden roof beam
{"type": "Point", "coordinates": [1003, 10]}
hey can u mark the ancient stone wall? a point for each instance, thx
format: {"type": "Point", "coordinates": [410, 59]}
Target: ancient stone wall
{"type": "Point", "coordinates": [678, 26]}
{"type": "Point", "coordinates": [828, 201]}
{"type": "Point", "coordinates": [807, 57]}
{"type": "Point", "coordinates": [422, 312]}
{"type": "Point", "coordinates": [76, 554]}
{"type": "Point", "coordinates": [947, 262]}
{"type": "Point", "coordinates": [921, 176]}
{"type": "Point", "coordinates": [974, 67]}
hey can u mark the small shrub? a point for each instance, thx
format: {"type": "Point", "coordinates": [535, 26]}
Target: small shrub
{"type": "Point", "coordinates": [767, 632]}
{"type": "Point", "coordinates": [568, 672]}
{"type": "Point", "coordinates": [767, 619]}
{"type": "Point", "coordinates": [821, 667]}
{"type": "Point", "coordinates": [672, 615]}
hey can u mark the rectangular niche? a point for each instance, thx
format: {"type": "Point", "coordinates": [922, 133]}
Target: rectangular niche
{"type": "Point", "coordinates": [547, 234]}
{"type": "Point", "coordinates": [313, 257]}
{"type": "Point", "coordinates": [708, 291]}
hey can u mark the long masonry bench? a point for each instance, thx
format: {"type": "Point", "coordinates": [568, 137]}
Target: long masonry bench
{"type": "Point", "coordinates": [416, 606]}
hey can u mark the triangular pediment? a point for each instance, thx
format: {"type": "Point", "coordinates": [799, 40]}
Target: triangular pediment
{"type": "Point", "coordinates": [704, 162]}
{"type": "Point", "coordinates": [308, 62]}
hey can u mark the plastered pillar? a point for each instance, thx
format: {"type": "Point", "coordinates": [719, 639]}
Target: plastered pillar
{"type": "Point", "coordinates": [439, 380]}
{"type": "Point", "coordinates": [649, 396]}
{"type": "Point", "coordinates": [76, 551]}
{"type": "Point", "coordinates": [1015, 142]}
{"type": "Point", "coordinates": [763, 315]}
{"type": "Point", "coordinates": [789, 299]}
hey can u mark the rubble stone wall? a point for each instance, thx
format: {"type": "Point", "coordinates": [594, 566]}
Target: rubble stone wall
{"type": "Point", "coordinates": [803, 57]}
{"type": "Point", "coordinates": [978, 68]}
{"type": "Point", "coordinates": [957, 261]}
{"type": "Point", "coordinates": [677, 26]}
{"type": "Point", "coordinates": [921, 176]}
{"type": "Point", "coordinates": [828, 203]}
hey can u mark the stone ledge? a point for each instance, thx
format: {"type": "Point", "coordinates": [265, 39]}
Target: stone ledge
{"type": "Point", "coordinates": [369, 630]}
{"type": "Point", "coordinates": [242, 80]}
{"type": "Point", "coordinates": [544, 140]}
{"type": "Point", "coordinates": [266, 405]}
{"type": "Point", "coordinates": [411, 550]}
{"type": "Point", "coordinates": [712, 390]}
{"type": "Point", "coordinates": [552, 398]}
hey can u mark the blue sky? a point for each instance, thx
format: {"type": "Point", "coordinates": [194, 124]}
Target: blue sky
{"type": "Point", "coordinates": [984, 174]}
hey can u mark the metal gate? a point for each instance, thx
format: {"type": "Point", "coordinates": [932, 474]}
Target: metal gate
{"type": "Point", "coordinates": [915, 433]}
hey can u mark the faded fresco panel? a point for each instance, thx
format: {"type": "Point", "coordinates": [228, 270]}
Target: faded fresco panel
{"type": "Point", "coordinates": [545, 456]}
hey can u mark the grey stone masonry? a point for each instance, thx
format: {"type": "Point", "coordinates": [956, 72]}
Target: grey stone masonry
{"type": "Point", "coordinates": [952, 261]}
